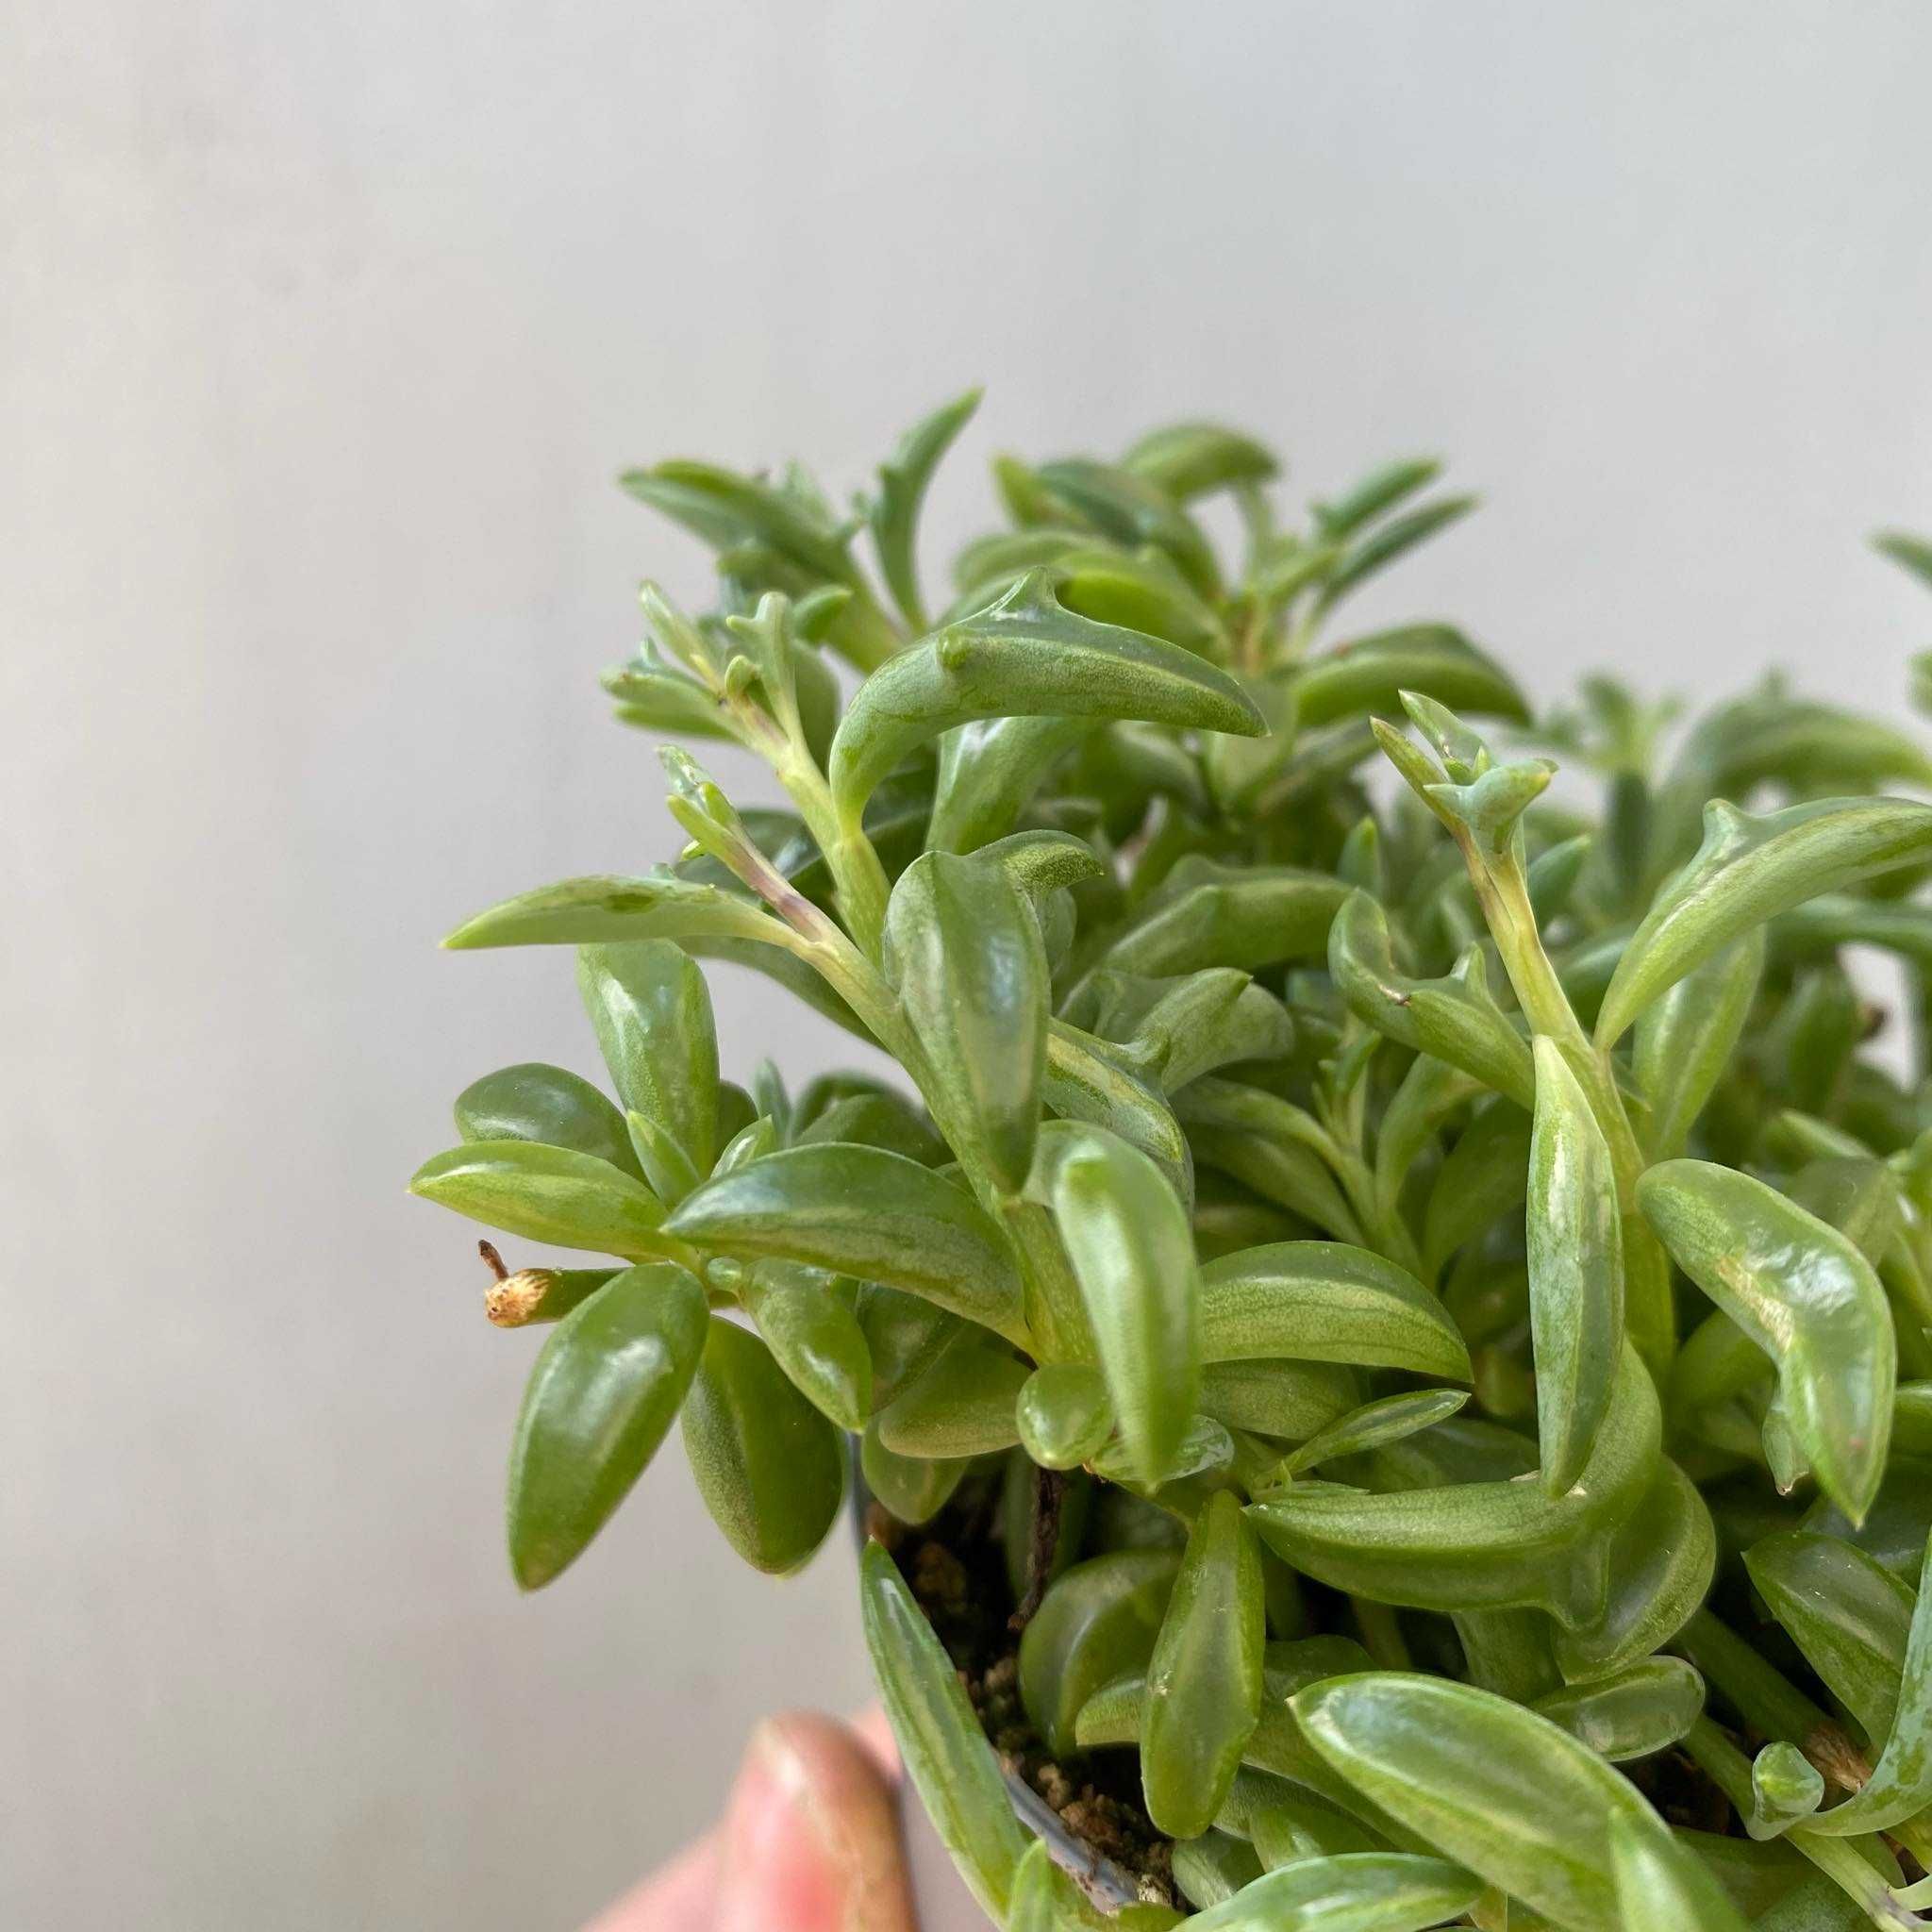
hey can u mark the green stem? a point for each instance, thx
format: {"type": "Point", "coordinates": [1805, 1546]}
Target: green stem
{"type": "Point", "coordinates": [1839, 1859]}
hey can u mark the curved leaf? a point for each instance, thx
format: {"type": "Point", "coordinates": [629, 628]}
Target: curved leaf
{"type": "Point", "coordinates": [1126, 1235]}
{"type": "Point", "coordinates": [769, 1466]}
{"type": "Point", "coordinates": [603, 1392]}
{"type": "Point", "coordinates": [1685, 1040]}
{"type": "Point", "coordinates": [1659, 1883]}
{"type": "Point", "coordinates": [895, 513]}
{"type": "Point", "coordinates": [1021, 656]}
{"type": "Point", "coordinates": [1204, 1676]}
{"type": "Point", "coordinates": [1503, 1790]}
{"type": "Point", "coordinates": [546, 1194]}
{"type": "Point", "coordinates": [1324, 1301]}
{"type": "Point", "coordinates": [1805, 1296]}
{"type": "Point", "coordinates": [1097, 1622]}
{"type": "Point", "coordinates": [1749, 869]}
{"type": "Point", "coordinates": [588, 912]}
{"type": "Point", "coordinates": [970, 969]}
{"type": "Point", "coordinates": [535, 1102]}
{"type": "Point", "coordinates": [941, 1742]}
{"type": "Point", "coordinates": [1454, 1017]}
{"type": "Point", "coordinates": [862, 1211]}
{"type": "Point", "coordinates": [1576, 1242]}
{"type": "Point", "coordinates": [1349, 1892]}
{"type": "Point", "coordinates": [1643, 1708]}
{"type": "Point", "coordinates": [962, 1406]}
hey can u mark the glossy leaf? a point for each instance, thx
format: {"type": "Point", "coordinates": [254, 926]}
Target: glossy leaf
{"type": "Point", "coordinates": [1749, 869]}
{"type": "Point", "coordinates": [1377, 1424]}
{"type": "Point", "coordinates": [1350, 1892]}
{"type": "Point", "coordinates": [1805, 1296]}
{"type": "Point", "coordinates": [970, 973]}
{"type": "Point", "coordinates": [1205, 1675]}
{"type": "Point", "coordinates": [1454, 1017]}
{"type": "Point", "coordinates": [1851, 1617]}
{"type": "Point", "coordinates": [1491, 1544]}
{"type": "Point", "coordinates": [1132, 510]}
{"type": "Point", "coordinates": [1660, 1561]}
{"type": "Point", "coordinates": [1504, 1791]}
{"type": "Point", "coordinates": [1686, 1038]}
{"type": "Point", "coordinates": [607, 907]}
{"type": "Point", "coordinates": [770, 1469]}
{"type": "Point", "coordinates": [1023, 655]}
{"type": "Point", "coordinates": [1575, 1238]}
{"type": "Point", "coordinates": [1324, 1301]}
{"type": "Point", "coordinates": [1063, 1415]}
{"type": "Point", "coordinates": [603, 1392]}
{"type": "Point", "coordinates": [1485, 1177]}
{"type": "Point", "coordinates": [534, 1101]}
{"type": "Point", "coordinates": [1634, 1712]}
{"type": "Point", "coordinates": [940, 1744]}
{"type": "Point", "coordinates": [1210, 915]}
{"type": "Point", "coordinates": [814, 1336]}
{"type": "Point", "coordinates": [1097, 1622]}
{"type": "Point", "coordinates": [1369, 673]}
{"type": "Point", "coordinates": [962, 1406]}
{"type": "Point", "coordinates": [652, 1013]}
{"type": "Point", "coordinates": [546, 1194]}
{"type": "Point", "coordinates": [1786, 1789]}
{"type": "Point", "coordinates": [1126, 1235]}
{"type": "Point", "coordinates": [911, 1490]}
{"type": "Point", "coordinates": [1287, 1400]}
{"type": "Point", "coordinates": [1659, 1883]}
{"type": "Point", "coordinates": [859, 1210]}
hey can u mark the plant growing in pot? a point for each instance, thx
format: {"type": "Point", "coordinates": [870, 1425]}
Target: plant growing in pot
{"type": "Point", "coordinates": [1386, 1326]}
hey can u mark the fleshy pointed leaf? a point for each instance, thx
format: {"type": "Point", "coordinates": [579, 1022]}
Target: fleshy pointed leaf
{"type": "Point", "coordinates": [862, 1211]}
{"type": "Point", "coordinates": [1021, 656]}
{"type": "Point", "coordinates": [1749, 869]}
{"type": "Point", "coordinates": [1506, 1792]}
{"type": "Point", "coordinates": [546, 1194]}
{"type": "Point", "coordinates": [770, 1469]}
{"type": "Point", "coordinates": [1805, 1296]}
{"type": "Point", "coordinates": [604, 1389]}
{"type": "Point", "coordinates": [895, 513]}
{"type": "Point", "coordinates": [1575, 1243]}
{"type": "Point", "coordinates": [972, 976]}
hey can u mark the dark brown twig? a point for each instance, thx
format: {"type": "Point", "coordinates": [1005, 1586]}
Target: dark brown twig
{"type": "Point", "coordinates": [1049, 1488]}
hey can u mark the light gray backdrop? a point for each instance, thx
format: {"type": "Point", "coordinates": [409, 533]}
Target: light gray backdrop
{"type": "Point", "coordinates": [326, 329]}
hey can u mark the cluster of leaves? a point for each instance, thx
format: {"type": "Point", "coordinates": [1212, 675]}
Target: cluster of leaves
{"type": "Point", "coordinates": [1465, 1278]}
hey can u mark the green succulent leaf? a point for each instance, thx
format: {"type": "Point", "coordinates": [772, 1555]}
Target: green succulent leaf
{"type": "Point", "coordinates": [769, 1466]}
{"type": "Point", "coordinates": [1633, 1712]}
{"type": "Point", "coordinates": [534, 1101]}
{"type": "Point", "coordinates": [1021, 656]}
{"type": "Point", "coordinates": [1126, 1235]}
{"type": "Point", "coordinates": [1805, 1296]}
{"type": "Point", "coordinates": [1205, 1675]}
{"type": "Point", "coordinates": [940, 1744]}
{"type": "Point", "coordinates": [1455, 1018]}
{"type": "Point", "coordinates": [860, 1212]}
{"type": "Point", "coordinates": [1348, 1892]}
{"type": "Point", "coordinates": [1686, 1038]}
{"type": "Point", "coordinates": [1505, 1791]}
{"type": "Point", "coordinates": [895, 513]}
{"type": "Point", "coordinates": [1191, 459]}
{"type": "Point", "coordinates": [1575, 1243]}
{"type": "Point", "coordinates": [1063, 1415]}
{"type": "Point", "coordinates": [590, 911]}
{"type": "Point", "coordinates": [1212, 915]}
{"type": "Point", "coordinates": [1749, 869]}
{"type": "Point", "coordinates": [604, 1391]}
{"type": "Point", "coordinates": [546, 1194]}
{"type": "Point", "coordinates": [1380, 489]}
{"type": "Point", "coordinates": [814, 1336]}
{"type": "Point", "coordinates": [1377, 1424]}
{"type": "Point", "coordinates": [1489, 1544]}
{"type": "Point", "coordinates": [962, 1406]}
{"type": "Point", "coordinates": [1370, 673]}
{"type": "Point", "coordinates": [1659, 1883]}
{"type": "Point", "coordinates": [913, 1491]}
{"type": "Point", "coordinates": [972, 976]}
{"type": "Point", "coordinates": [1324, 1302]}
{"type": "Point", "coordinates": [652, 1013]}
{"type": "Point", "coordinates": [1132, 510]}
{"type": "Point", "coordinates": [1097, 1622]}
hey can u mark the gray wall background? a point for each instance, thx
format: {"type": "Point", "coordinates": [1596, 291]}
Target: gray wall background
{"type": "Point", "coordinates": [324, 330]}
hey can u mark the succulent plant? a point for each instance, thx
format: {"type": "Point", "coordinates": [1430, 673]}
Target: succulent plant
{"type": "Point", "coordinates": [1388, 1317]}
